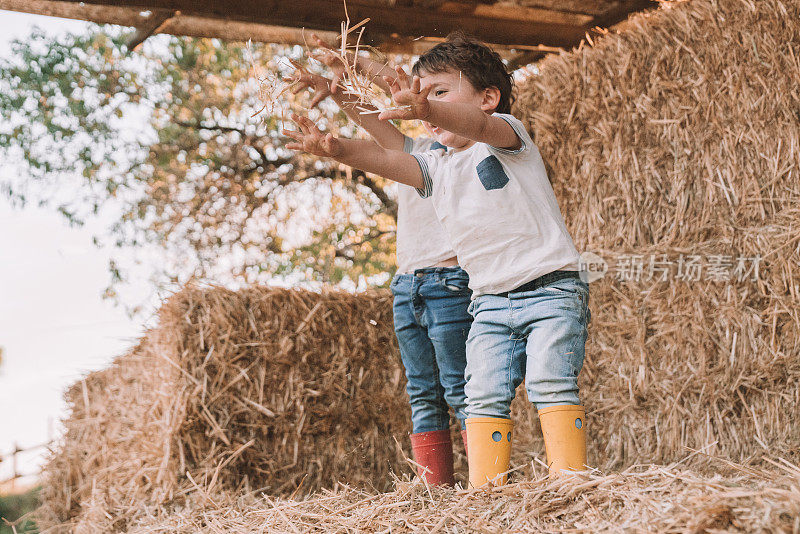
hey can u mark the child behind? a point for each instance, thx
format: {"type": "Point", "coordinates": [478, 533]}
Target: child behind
{"type": "Point", "coordinates": [430, 291]}
{"type": "Point", "coordinates": [491, 193]}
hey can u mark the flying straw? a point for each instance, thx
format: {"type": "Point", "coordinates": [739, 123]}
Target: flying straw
{"type": "Point", "coordinates": [354, 82]}
{"type": "Point", "coordinates": [270, 86]}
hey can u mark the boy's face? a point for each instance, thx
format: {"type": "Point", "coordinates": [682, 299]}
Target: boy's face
{"type": "Point", "coordinates": [450, 86]}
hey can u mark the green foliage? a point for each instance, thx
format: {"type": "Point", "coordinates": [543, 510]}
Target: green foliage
{"type": "Point", "coordinates": [12, 507]}
{"type": "Point", "coordinates": [206, 181]}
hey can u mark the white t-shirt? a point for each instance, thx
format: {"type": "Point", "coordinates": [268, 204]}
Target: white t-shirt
{"type": "Point", "coordinates": [499, 211]}
{"type": "Point", "coordinates": [421, 240]}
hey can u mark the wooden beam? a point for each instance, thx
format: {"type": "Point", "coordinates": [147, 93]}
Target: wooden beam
{"type": "Point", "coordinates": [525, 58]}
{"type": "Point", "coordinates": [180, 24]}
{"type": "Point", "coordinates": [384, 19]}
{"type": "Point", "coordinates": [154, 24]}
{"type": "Point", "coordinates": [492, 21]}
{"type": "Point", "coordinates": [177, 25]}
{"type": "Point", "coordinates": [621, 12]}
{"type": "Point", "coordinates": [240, 31]}
{"type": "Point", "coordinates": [510, 11]}
{"type": "Point", "coordinates": [71, 10]}
{"type": "Point", "coordinates": [396, 45]}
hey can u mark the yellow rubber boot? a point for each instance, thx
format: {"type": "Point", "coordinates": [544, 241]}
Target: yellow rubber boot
{"type": "Point", "coordinates": [489, 445]}
{"type": "Point", "coordinates": [563, 428]}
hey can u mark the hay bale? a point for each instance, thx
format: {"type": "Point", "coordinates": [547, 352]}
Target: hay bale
{"type": "Point", "coordinates": [117, 448]}
{"type": "Point", "coordinates": [681, 134]}
{"type": "Point", "coordinates": [286, 391]}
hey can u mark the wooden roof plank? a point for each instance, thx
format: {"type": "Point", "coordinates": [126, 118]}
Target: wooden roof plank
{"type": "Point", "coordinates": [504, 10]}
{"type": "Point", "coordinates": [71, 10]}
{"type": "Point", "coordinates": [388, 20]}
{"type": "Point", "coordinates": [396, 26]}
{"type": "Point", "coordinates": [621, 12]}
{"type": "Point", "coordinates": [154, 24]}
{"type": "Point", "coordinates": [177, 25]}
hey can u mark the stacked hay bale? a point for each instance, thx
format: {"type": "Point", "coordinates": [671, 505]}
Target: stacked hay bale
{"type": "Point", "coordinates": [285, 390]}
{"type": "Point", "coordinates": [679, 136]}
{"type": "Point", "coordinates": [272, 389]}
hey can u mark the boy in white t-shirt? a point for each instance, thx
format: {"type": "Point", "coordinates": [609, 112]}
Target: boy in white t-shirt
{"type": "Point", "coordinates": [431, 293]}
{"type": "Point", "coordinates": [493, 198]}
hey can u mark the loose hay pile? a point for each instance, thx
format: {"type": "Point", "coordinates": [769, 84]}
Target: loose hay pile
{"type": "Point", "coordinates": [681, 135]}
{"type": "Point", "coordinates": [643, 499]}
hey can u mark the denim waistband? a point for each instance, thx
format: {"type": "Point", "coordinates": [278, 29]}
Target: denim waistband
{"type": "Point", "coordinates": [433, 270]}
{"type": "Point", "coordinates": [541, 281]}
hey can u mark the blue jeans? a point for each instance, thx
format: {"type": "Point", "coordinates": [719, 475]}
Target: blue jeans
{"type": "Point", "coordinates": [538, 335]}
{"type": "Point", "coordinates": [432, 323]}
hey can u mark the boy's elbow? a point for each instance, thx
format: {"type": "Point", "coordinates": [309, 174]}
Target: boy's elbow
{"type": "Point", "coordinates": [501, 135]}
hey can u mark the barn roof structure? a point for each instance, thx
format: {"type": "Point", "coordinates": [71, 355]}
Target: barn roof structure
{"type": "Point", "coordinates": [529, 27]}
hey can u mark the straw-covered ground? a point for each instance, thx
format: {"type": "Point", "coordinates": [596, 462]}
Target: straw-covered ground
{"type": "Point", "coordinates": [677, 138]}
{"type": "Point", "coordinates": [640, 499]}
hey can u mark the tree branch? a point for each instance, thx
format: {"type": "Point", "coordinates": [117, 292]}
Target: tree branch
{"type": "Point", "coordinates": [249, 140]}
{"type": "Point", "coordinates": [358, 175]}
{"type": "Point", "coordinates": [373, 235]}
{"type": "Point", "coordinates": [378, 191]}
{"type": "Point", "coordinates": [216, 127]}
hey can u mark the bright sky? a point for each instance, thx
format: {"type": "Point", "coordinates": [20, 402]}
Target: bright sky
{"type": "Point", "coordinates": [54, 325]}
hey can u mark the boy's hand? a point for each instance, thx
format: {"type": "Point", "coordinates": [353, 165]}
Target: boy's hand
{"type": "Point", "coordinates": [407, 94]}
{"type": "Point", "coordinates": [325, 55]}
{"type": "Point", "coordinates": [306, 80]}
{"type": "Point", "coordinates": [310, 139]}
{"type": "Point", "coordinates": [330, 55]}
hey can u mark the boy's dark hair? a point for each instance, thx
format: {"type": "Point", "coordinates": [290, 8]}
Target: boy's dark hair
{"type": "Point", "coordinates": [483, 67]}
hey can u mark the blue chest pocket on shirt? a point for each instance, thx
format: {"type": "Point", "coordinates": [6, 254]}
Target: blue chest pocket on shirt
{"type": "Point", "coordinates": [491, 173]}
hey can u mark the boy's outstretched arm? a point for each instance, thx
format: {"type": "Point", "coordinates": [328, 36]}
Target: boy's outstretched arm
{"type": "Point", "coordinates": [364, 155]}
{"type": "Point", "coordinates": [466, 120]}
